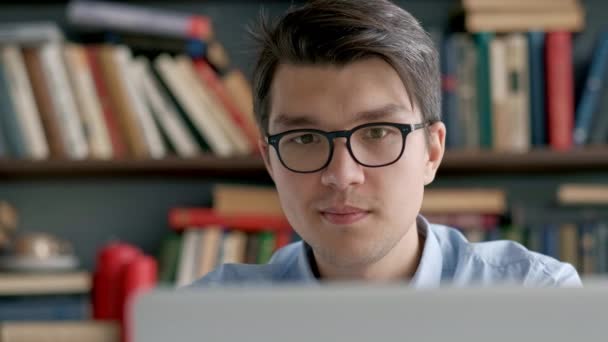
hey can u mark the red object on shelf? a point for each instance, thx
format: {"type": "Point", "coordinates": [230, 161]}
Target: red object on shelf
{"type": "Point", "coordinates": [140, 275]}
{"type": "Point", "coordinates": [108, 279]}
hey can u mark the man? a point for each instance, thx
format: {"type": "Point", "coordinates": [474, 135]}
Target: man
{"type": "Point", "coordinates": [347, 96]}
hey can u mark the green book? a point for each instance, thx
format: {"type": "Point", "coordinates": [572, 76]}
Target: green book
{"type": "Point", "coordinates": [168, 258]}
{"type": "Point", "coordinates": [265, 247]}
{"type": "Point", "coordinates": [484, 90]}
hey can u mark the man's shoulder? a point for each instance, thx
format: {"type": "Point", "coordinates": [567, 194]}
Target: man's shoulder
{"type": "Point", "coordinates": [280, 268]}
{"type": "Point", "coordinates": [499, 262]}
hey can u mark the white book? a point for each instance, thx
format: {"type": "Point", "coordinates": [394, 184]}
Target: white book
{"type": "Point", "coordinates": [175, 80]}
{"type": "Point", "coordinates": [165, 113]}
{"type": "Point", "coordinates": [145, 123]}
{"type": "Point", "coordinates": [187, 267]}
{"type": "Point", "coordinates": [87, 101]}
{"type": "Point", "coordinates": [64, 104]}
{"type": "Point", "coordinates": [24, 103]}
{"type": "Point", "coordinates": [501, 122]}
{"type": "Point", "coordinates": [519, 99]}
{"type": "Point", "coordinates": [214, 109]}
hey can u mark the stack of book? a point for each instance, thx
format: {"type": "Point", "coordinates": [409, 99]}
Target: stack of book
{"type": "Point", "coordinates": [169, 92]}
{"type": "Point", "coordinates": [50, 307]}
{"type": "Point", "coordinates": [245, 225]}
{"type": "Point", "coordinates": [508, 83]}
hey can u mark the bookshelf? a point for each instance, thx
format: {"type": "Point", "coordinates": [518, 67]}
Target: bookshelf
{"type": "Point", "coordinates": [93, 201]}
{"type": "Point", "coordinates": [252, 167]}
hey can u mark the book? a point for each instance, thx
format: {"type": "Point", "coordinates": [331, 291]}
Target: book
{"type": "Point", "coordinates": [13, 284]}
{"type": "Point", "coordinates": [241, 93]}
{"type": "Point", "coordinates": [501, 118]}
{"type": "Point", "coordinates": [9, 122]}
{"type": "Point", "coordinates": [244, 199]}
{"type": "Point", "coordinates": [215, 114]}
{"type": "Point", "coordinates": [186, 268]}
{"type": "Point", "coordinates": [174, 78]}
{"type": "Point", "coordinates": [87, 102]}
{"type": "Point", "coordinates": [64, 103]}
{"type": "Point", "coordinates": [165, 113]}
{"type": "Point", "coordinates": [484, 88]}
{"type": "Point", "coordinates": [499, 5]}
{"type": "Point", "coordinates": [536, 56]}
{"type": "Point", "coordinates": [216, 87]}
{"type": "Point", "coordinates": [168, 258]}
{"type": "Point", "coordinates": [132, 77]}
{"type": "Point", "coordinates": [466, 84]}
{"type": "Point", "coordinates": [583, 194]}
{"type": "Point", "coordinates": [90, 331]}
{"type": "Point", "coordinates": [446, 201]}
{"type": "Point", "coordinates": [590, 98]}
{"type": "Point", "coordinates": [560, 89]}
{"type": "Point", "coordinates": [42, 95]}
{"type": "Point", "coordinates": [138, 19]}
{"type": "Point", "coordinates": [65, 307]}
{"type": "Point", "coordinates": [184, 218]}
{"type": "Point", "coordinates": [518, 92]}
{"type": "Point", "coordinates": [209, 249]}
{"type": "Point", "coordinates": [450, 83]}
{"type": "Point", "coordinates": [24, 105]}
{"type": "Point", "coordinates": [122, 102]}
{"type": "Point", "coordinates": [568, 19]}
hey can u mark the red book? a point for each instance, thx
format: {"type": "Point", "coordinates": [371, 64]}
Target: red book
{"type": "Point", "coordinates": [119, 147]}
{"type": "Point", "coordinates": [560, 90]}
{"type": "Point", "coordinates": [181, 218]}
{"type": "Point", "coordinates": [210, 78]}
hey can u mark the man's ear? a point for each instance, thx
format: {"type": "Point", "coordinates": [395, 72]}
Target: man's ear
{"type": "Point", "coordinates": [435, 150]}
{"type": "Point", "coordinates": [264, 149]}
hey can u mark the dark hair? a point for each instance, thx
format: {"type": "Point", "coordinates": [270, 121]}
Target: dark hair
{"type": "Point", "coordinates": [339, 32]}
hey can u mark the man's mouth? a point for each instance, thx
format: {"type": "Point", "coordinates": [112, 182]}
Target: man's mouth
{"type": "Point", "coordinates": [342, 215]}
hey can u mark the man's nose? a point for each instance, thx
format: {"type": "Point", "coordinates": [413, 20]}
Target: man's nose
{"type": "Point", "coordinates": [343, 170]}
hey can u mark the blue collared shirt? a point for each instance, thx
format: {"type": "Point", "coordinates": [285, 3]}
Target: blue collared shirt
{"type": "Point", "coordinates": [447, 259]}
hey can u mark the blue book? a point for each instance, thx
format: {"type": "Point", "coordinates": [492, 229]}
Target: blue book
{"type": "Point", "coordinates": [550, 240]}
{"type": "Point", "coordinates": [11, 131]}
{"type": "Point", "coordinates": [590, 97]}
{"type": "Point", "coordinates": [449, 91]}
{"type": "Point", "coordinates": [44, 308]}
{"type": "Point", "coordinates": [538, 117]}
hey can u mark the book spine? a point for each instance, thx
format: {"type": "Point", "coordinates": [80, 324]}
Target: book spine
{"type": "Point", "coordinates": [63, 101]}
{"type": "Point", "coordinates": [484, 88]}
{"type": "Point", "coordinates": [132, 18]}
{"type": "Point", "coordinates": [131, 76]}
{"type": "Point", "coordinates": [536, 56]}
{"type": "Point", "coordinates": [119, 147]}
{"type": "Point", "coordinates": [180, 218]}
{"type": "Point", "coordinates": [166, 114]}
{"type": "Point", "coordinates": [590, 96]}
{"type": "Point", "coordinates": [560, 89]}
{"type": "Point", "coordinates": [450, 98]}
{"type": "Point", "coordinates": [87, 101]}
{"type": "Point", "coordinates": [518, 92]}
{"type": "Point", "coordinates": [9, 121]}
{"type": "Point", "coordinates": [213, 82]}
{"type": "Point", "coordinates": [25, 105]}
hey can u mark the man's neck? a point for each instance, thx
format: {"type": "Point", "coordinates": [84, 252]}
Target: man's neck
{"type": "Point", "coordinates": [400, 263]}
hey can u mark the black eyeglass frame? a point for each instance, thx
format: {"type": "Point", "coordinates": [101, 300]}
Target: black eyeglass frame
{"type": "Point", "coordinates": [405, 129]}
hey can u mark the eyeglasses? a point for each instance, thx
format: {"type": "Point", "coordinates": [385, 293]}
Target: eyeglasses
{"type": "Point", "coordinates": [372, 145]}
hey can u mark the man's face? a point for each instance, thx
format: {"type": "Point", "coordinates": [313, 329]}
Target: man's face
{"type": "Point", "coordinates": [351, 215]}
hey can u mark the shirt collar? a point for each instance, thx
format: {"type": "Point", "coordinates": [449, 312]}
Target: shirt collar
{"type": "Point", "coordinates": [427, 275]}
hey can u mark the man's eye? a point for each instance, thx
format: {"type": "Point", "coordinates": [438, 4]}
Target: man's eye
{"type": "Point", "coordinates": [376, 133]}
{"type": "Point", "coordinates": [305, 139]}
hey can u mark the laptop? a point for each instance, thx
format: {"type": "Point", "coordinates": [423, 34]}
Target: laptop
{"type": "Point", "coordinates": [372, 313]}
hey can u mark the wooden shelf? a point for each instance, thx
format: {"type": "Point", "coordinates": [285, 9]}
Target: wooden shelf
{"type": "Point", "coordinates": [455, 162]}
